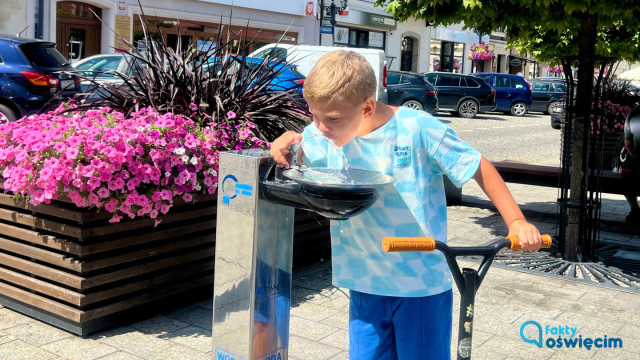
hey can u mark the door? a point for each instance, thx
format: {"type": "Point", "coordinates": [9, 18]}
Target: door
{"type": "Point", "coordinates": [77, 29]}
{"type": "Point", "coordinates": [541, 94]}
{"type": "Point", "coordinates": [504, 92]}
{"type": "Point", "coordinates": [449, 91]}
{"type": "Point", "coordinates": [406, 56]}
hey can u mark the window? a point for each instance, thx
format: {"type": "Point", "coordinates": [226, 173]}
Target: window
{"type": "Point", "coordinates": [393, 79]}
{"type": "Point", "coordinates": [446, 80]}
{"type": "Point", "coordinates": [540, 87]}
{"type": "Point", "coordinates": [446, 56]}
{"type": "Point", "coordinates": [472, 82]}
{"type": "Point", "coordinates": [486, 78]}
{"type": "Point", "coordinates": [559, 87]}
{"type": "Point", "coordinates": [275, 53]}
{"type": "Point", "coordinates": [43, 55]}
{"type": "Point", "coordinates": [501, 82]}
{"type": "Point", "coordinates": [405, 80]}
{"type": "Point", "coordinates": [519, 83]}
{"type": "Point", "coordinates": [431, 78]}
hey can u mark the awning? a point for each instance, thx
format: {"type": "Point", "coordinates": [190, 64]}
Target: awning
{"type": "Point", "coordinates": [632, 75]}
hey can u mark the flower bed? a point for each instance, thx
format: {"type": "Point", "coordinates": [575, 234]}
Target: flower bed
{"type": "Point", "coordinates": [129, 166]}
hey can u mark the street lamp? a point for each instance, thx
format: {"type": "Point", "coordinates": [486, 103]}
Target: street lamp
{"type": "Point", "coordinates": [333, 9]}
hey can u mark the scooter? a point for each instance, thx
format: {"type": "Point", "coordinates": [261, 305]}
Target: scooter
{"type": "Point", "coordinates": [468, 280]}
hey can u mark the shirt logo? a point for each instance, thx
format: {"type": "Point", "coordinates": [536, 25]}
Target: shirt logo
{"type": "Point", "coordinates": [401, 156]}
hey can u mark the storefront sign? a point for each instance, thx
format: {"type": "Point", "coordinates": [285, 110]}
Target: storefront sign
{"type": "Point", "coordinates": [381, 21]}
{"type": "Point", "coordinates": [326, 29]}
{"type": "Point", "coordinates": [515, 62]}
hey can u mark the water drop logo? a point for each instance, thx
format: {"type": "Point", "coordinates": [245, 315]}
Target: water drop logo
{"type": "Point", "coordinates": [530, 332]}
{"type": "Point", "coordinates": [232, 188]}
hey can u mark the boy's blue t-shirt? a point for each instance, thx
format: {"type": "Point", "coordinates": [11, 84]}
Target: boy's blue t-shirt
{"type": "Point", "coordinates": [417, 149]}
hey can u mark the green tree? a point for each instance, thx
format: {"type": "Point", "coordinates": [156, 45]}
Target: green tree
{"type": "Point", "coordinates": [547, 28]}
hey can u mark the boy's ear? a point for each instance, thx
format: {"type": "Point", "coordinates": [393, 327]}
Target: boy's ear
{"type": "Point", "coordinates": [369, 107]}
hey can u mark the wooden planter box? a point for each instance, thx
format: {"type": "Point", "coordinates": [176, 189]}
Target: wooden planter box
{"type": "Point", "coordinates": [71, 268]}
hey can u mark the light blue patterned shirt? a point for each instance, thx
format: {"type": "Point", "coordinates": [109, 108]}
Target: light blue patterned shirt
{"type": "Point", "coordinates": [417, 149]}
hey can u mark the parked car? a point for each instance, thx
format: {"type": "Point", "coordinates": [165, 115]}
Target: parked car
{"type": "Point", "coordinates": [306, 57]}
{"type": "Point", "coordinates": [102, 68]}
{"type": "Point", "coordinates": [32, 75]}
{"type": "Point", "coordinates": [557, 115]}
{"type": "Point", "coordinates": [462, 94]}
{"type": "Point", "coordinates": [547, 93]}
{"type": "Point", "coordinates": [513, 93]}
{"type": "Point", "coordinates": [289, 75]}
{"type": "Point", "coordinates": [412, 91]}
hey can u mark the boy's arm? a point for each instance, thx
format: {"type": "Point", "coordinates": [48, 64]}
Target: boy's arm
{"type": "Point", "coordinates": [280, 148]}
{"type": "Point", "coordinates": [492, 184]}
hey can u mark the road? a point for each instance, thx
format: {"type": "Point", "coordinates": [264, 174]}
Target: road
{"type": "Point", "coordinates": [528, 139]}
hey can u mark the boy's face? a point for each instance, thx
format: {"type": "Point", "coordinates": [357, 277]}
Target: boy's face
{"type": "Point", "coordinates": [341, 122]}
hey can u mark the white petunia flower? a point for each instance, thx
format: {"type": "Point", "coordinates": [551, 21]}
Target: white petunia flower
{"type": "Point", "coordinates": [194, 160]}
{"type": "Point", "coordinates": [179, 151]}
{"type": "Point", "coordinates": [185, 158]}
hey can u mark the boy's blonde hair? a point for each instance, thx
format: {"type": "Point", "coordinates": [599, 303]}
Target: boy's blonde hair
{"type": "Point", "coordinates": [340, 76]}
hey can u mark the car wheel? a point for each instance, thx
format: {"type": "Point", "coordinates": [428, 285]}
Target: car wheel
{"type": "Point", "coordinates": [468, 108]}
{"type": "Point", "coordinates": [413, 104]}
{"type": "Point", "coordinates": [551, 106]}
{"type": "Point", "coordinates": [7, 114]}
{"type": "Point", "coordinates": [518, 108]}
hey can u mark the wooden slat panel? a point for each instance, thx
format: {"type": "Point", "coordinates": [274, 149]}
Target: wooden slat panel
{"type": "Point", "coordinates": [40, 286]}
{"type": "Point", "coordinates": [40, 223]}
{"type": "Point", "coordinates": [44, 271]}
{"type": "Point", "coordinates": [123, 242]}
{"type": "Point", "coordinates": [143, 223]}
{"type": "Point", "coordinates": [41, 302]}
{"type": "Point", "coordinates": [146, 268]}
{"type": "Point", "coordinates": [40, 239]}
{"type": "Point", "coordinates": [50, 257]}
{"type": "Point", "coordinates": [145, 253]}
{"type": "Point", "coordinates": [53, 210]}
{"type": "Point", "coordinates": [179, 274]}
{"type": "Point", "coordinates": [145, 298]}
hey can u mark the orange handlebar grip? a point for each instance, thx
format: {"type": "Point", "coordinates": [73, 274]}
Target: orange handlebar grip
{"type": "Point", "coordinates": [515, 242]}
{"type": "Point", "coordinates": [395, 244]}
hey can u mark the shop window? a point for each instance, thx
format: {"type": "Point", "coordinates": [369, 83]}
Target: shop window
{"type": "Point", "coordinates": [366, 39]}
{"type": "Point", "coordinates": [447, 56]}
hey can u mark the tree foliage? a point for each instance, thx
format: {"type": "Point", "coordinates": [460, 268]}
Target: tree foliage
{"type": "Point", "coordinates": [544, 28]}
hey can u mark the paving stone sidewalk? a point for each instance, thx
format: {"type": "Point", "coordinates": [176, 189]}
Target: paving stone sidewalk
{"type": "Point", "coordinates": [319, 314]}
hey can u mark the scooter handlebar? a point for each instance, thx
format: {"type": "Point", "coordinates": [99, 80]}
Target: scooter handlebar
{"type": "Point", "coordinates": [515, 242]}
{"type": "Point", "coordinates": [397, 244]}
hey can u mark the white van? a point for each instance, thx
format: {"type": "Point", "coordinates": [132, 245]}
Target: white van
{"type": "Point", "coordinates": [306, 56]}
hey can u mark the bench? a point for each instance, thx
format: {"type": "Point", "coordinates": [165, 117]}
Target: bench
{"type": "Point", "coordinates": [541, 175]}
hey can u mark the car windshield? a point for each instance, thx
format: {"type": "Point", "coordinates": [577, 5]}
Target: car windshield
{"type": "Point", "coordinates": [43, 55]}
{"type": "Point", "coordinates": [101, 66]}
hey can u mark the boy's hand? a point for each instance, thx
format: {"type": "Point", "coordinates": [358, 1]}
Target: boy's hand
{"type": "Point", "coordinates": [528, 234]}
{"type": "Point", "coordinates": [280, 148]}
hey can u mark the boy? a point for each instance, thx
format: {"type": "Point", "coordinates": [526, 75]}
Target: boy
{"type": "Point", "coordinates": [401, 303]}
{"type": "Point", "coordinates": [631, 172]}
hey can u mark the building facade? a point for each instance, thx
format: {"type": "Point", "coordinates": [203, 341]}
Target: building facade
{"type": "Point", "coordinates": [88, 27]}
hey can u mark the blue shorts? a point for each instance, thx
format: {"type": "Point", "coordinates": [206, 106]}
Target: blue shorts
{"type": "Point", "coordinates": [404, 328]}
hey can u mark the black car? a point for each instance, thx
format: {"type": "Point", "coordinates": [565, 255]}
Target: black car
{"type": "Point", "coordinates": [546, 94]}
{"type": "Point", "coordinates": [32, 72]}
{"type": "Point", "coordinates": [465, 95]}
{"type": "Point", "coordinates": [412, 91]}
